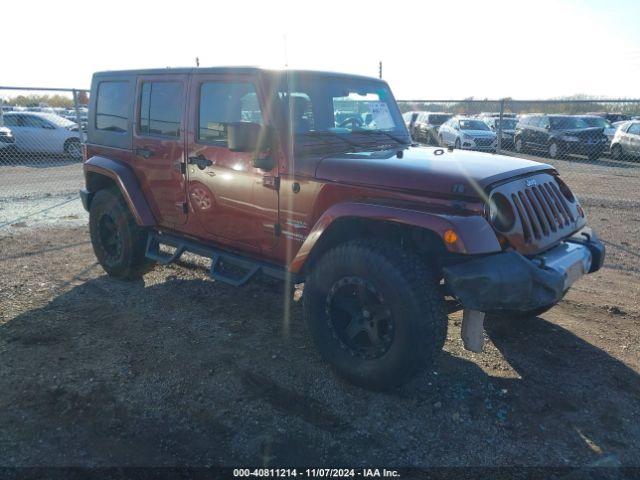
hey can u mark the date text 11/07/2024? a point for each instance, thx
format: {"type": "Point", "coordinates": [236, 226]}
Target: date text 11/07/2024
{"type": "Point", "coordinates": [316, 473]}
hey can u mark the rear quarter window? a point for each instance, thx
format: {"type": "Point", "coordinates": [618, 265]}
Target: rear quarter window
{"type": "Point", "coordinates": [112, 107]}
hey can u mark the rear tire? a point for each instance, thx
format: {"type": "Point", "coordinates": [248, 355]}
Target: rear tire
{"type": "Point", "coordinates": [375, 313]}
{"type": "Point", "coordinates": [118, 242]}
{"type": "Point", "coordinates": [616, 152]}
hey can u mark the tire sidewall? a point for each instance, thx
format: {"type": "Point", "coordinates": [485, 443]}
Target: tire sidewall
{"type": "Point", "coordinates": [405, 353]}
{"type": "Point", "coordinates": [109, 203]}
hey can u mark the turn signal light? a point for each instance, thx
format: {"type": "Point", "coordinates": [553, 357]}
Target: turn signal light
{"type": "Point", "coordinates": [450, 236]}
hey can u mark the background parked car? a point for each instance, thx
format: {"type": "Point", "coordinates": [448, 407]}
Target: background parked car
{"type": "Point", "coordinates": [612, 117]}
{"type": "Point", "coordinates": [468, 134]}
{"type": "Point", "coordinates": [426, 127]}
{"type": "Point", "coordinates": [600, 122]}
{"type": "Point", "coordinates": [558, 135]}
{"type": "Point", "coordinates": [7, 141]}
{"type": "Point", "coordinates": [410, 119]}
{"type": "Point", "coordinates": [626, 142]}
{"type": "Point", "coordinates": [37, 132]}
{"type": "Point", "coordinates": [508, 129]}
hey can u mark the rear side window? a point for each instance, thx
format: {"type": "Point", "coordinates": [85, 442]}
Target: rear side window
{"type": "Point", "coordinates": [222, 103]}
{"type": "Point", "coordinates": [160, 109]}
{"type": "Point", "coordinates": [112, 107]}
{"type": "Point", "coordinates": [634, 129]}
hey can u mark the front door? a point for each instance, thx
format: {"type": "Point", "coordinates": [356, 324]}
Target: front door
{"type": "Point", "coordinates": [233, 201]}
{"type": "Point", "coordinates": [159, 145]}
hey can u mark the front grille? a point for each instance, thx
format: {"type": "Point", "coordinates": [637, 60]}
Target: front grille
{"type": "Point", "coordinates": [542, 210]}
{"type": "Point", "coordinates": [483, 142]}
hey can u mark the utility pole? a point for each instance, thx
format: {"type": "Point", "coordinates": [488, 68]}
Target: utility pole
{"type": "Point", "coordinates": [380, 69]}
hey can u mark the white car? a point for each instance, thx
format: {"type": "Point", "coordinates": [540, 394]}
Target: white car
{"type": "Point", "coordinates": [6, 140]}
{"type": "Point", "coordinates": [467, 134]}
{"type": "Point", "coordinates": [37, 132]}
{"type": "Point", "coordinates": [626, 142]}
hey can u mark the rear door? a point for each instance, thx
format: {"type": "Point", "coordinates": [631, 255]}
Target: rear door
{"type": "Point", "coordinates": [232, 200]}
{"type": "Point", "coordinates": [159, 145]}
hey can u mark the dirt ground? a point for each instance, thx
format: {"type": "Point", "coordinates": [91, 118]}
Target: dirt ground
{"type": "Point", "coordinates": [179, 370]}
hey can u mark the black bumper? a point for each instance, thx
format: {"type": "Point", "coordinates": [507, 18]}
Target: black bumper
{"type": "Point", "coordinates": [86, 196]}
{"type": "Point", "coordinates": [510, 282]}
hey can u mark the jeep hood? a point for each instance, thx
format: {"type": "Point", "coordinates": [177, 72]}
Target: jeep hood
{"type": "Point", "coordinates": [425, 169]}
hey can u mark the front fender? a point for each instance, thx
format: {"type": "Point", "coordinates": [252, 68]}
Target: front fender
{"type": "Point", "coordinates": [475, 235]}
{"type": "Point", "coordinates": [126, 181]}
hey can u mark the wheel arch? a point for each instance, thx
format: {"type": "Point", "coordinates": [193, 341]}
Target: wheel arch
{"type": "Point", "coordinates": [423, 231]}
{"type": "Point", "coordinates": [102, 172]}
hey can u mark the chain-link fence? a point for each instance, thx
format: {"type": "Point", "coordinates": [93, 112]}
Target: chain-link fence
{"type": "Point", "coordinates": [594, 144]}
{"type": "Point", "coordinates": [41, 136]}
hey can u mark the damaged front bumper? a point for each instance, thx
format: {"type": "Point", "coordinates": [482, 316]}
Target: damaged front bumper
{"type": "Point", "coordinates": [510, 282]}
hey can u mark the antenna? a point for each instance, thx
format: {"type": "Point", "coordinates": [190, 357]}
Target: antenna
{"type": "Point", "coordinates": [197, 61]}
{"type": "Point", "coordinates": [380, 69]}
{"type": "Point", "coordinates": [286, 55]}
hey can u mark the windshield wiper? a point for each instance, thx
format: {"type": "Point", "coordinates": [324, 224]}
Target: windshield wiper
{"type": "Point", "coordinates": [321, 133]}
{"type": "Point", "coordinates": [393, 137]}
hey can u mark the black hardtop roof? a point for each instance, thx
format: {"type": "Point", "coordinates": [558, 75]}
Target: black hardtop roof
{"type": "Point", "coordinates": [230, 70]}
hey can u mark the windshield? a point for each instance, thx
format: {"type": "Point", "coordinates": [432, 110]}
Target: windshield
{"type": "Point", "coordinates": [597, 122]}
{"type": "Point", "coordinates": [435, 119]}
{"type": "Point", "coordinates": [567, 123]}
{"type": "Point", "coordinates": [473, 125]}
{"type": "Point", "coordinates": [507, 123]}
{"type": "Point", "coordinates": [57, 120]}
{"type": "Point", "coordinates": [351, 111]}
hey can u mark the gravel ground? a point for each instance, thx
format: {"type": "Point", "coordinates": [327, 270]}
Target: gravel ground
{"type": "Point", "coordinates": [180, 370]}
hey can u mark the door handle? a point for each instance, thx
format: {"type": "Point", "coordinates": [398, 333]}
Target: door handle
{"type": "Point", "coordinates": [144, 152]}
{"type": "Point", "coordinates": [200, 161]}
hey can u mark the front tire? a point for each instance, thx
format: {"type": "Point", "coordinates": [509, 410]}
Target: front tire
{"type": "Point", "coordinates": [457, 144]}
{"type": "Point", "coordinates": [616, 152]}
{"type": "Point", "coordinates": [375, 313]}
{"type": "Point", "coordinates": [73, 149]}
{"type": "Point", "coordinates": [118, 242]}
{"type": "Point", "coordinates": [554, 150]}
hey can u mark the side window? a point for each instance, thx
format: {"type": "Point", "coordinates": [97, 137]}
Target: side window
{"type": "Point", "coordinates": [112, 107]}
{"type": "Point", "coordinates": [222, 103]}
{"type": "Point", "coordinates": [33, 121]}
{"type": "Point", "coordinates": [11, 120]}
{"type": "Point", "coordinates": [543, 122]}
{"type": "Point", "coordinates": [160, 109]}
{"type": "Point", "coordinates": [634, 129]}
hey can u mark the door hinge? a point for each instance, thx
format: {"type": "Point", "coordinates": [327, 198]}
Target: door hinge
{"type": "Point", "coordinates": [180, 167]}
{"type": "Point", "coordinates": [271, 182]}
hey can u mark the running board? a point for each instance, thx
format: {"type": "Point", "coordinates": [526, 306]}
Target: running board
{"type": "Point", "coordinates": [247, 266]}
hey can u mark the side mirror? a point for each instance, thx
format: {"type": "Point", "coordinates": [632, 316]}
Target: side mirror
{"type": "Point", "coordinates": [265, 162]}
{"type": "Point", "coordinates": [243, 136]}
{"type": "Point", "coordinates": [547, 127]}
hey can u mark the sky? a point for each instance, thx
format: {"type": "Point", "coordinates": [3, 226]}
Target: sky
{"type": "Point", "coordinates": [440, 49]}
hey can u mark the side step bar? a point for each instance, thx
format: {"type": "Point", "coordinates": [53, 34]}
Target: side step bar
{"type": "Point", "coordinates": [247, 266]}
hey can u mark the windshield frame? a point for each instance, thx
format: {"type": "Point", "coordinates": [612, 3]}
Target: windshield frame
{"type": "Point", "coordinates": [317, 87]}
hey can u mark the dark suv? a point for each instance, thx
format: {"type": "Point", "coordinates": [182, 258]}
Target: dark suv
{"type": "Point", "coordinates": [425, 127]}
{"type": "Point", "coordinates": [311, 177]}
{"type": "Point", "coordinates": [559, 135]}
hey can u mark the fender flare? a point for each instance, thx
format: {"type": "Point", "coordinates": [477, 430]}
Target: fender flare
{"type": "Point", "coordinates": [127, 183]}
{"type": "Point", "coordinates": [475, 235]}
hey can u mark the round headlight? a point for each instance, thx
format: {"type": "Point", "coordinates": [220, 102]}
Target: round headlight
{"type": "Point", "coordinates": [501, 212]}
